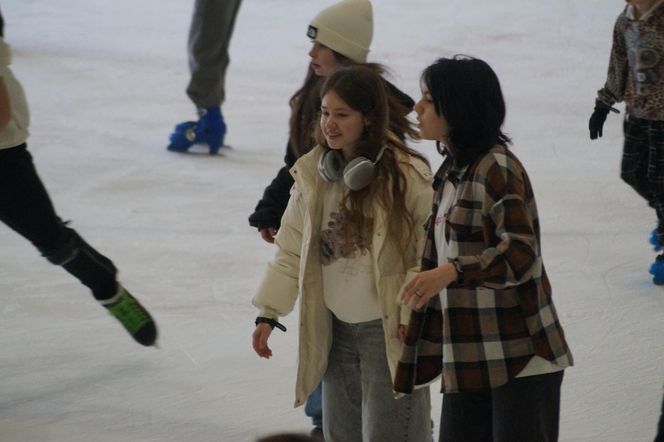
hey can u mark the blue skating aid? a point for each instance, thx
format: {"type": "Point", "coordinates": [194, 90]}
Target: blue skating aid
{"type": "Point", "coordinates": [657, 270]}
{"type": "Point", "coordinates": [210, 129]}
{"type": "Point", "coordinates": [183, 137]}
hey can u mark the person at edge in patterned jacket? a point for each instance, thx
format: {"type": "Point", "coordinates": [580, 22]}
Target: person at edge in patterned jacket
{"type": "Point", "coordinates": [636, 76]}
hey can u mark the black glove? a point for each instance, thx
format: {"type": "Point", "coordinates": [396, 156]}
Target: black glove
{"type": "Point", "coordinates": [596, 122]}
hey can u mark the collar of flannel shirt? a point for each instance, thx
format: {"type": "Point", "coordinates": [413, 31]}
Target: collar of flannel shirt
{"type": "Point", "coordinates": [447, 172]}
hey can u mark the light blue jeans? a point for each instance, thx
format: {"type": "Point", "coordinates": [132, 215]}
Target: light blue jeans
{"type": "Point", "coordinates": [358, 404]}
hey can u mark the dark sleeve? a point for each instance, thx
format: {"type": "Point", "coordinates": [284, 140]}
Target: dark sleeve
{"type": "Point", "coordinates": [271, 207]}
{"type": "Point", "coordinates": [400, 106]}
{"type": "Point", "coordinates": [403, 98]}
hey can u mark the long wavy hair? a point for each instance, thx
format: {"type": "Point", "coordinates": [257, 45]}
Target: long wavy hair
{"type": "Point", "coordinates": [363, 90]}
{"type": "Point", "coordinates": [467, 93]}
{"type": "Point", "coordinates": [305, 108]}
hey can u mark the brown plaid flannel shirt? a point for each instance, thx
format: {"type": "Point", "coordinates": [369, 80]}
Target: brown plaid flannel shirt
{"type": "Point", "coordinates": [499, 313]}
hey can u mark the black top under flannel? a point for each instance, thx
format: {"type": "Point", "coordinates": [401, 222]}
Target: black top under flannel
{"type": "Point", "coordinates": [500, 314]}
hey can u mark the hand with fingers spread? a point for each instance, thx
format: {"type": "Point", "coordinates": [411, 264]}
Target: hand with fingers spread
{"type": "Point", "coordinates": [428, 284]}
{"type": "Point", "coordinates": [259, 340]}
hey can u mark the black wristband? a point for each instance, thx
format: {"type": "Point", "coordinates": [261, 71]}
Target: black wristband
{"type": "Point", "coordinates": [272, 322]}
{"type": "Point", "coordinates": [602, 105]}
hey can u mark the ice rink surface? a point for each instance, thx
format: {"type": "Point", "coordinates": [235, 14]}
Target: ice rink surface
{"type": "Point", "coordinates": [106, 82]}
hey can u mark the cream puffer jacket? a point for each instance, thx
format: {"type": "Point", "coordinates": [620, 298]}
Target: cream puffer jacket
{"type": "Point", "coordinates": [15, 132]}
{"type": "Point", "coordinates": [297, 271]}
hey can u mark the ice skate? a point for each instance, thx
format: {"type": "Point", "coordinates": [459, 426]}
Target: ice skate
{"type": "Point", "coordinates": [133, 316]}
{"type": "Point", "coordinates": [210, 129]}
{"type": "Point", "coordinates": [655, 240]}
{"type": "Point", "coordinates": [657, 270]}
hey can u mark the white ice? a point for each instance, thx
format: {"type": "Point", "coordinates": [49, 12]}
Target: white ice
{"type": "Point", "coordinates": [106, 79]}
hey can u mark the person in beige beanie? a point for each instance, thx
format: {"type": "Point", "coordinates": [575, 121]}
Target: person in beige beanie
{"type": "Point", "coordinates": [346, 28]}
{"type": "Point", "coordinates": [341, 34]}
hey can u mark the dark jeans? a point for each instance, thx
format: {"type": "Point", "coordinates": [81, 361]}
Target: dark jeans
{"type": "Point", "coordinates": [209, 37]}
{"type": "Point", "coordinates": [642, 165]}
{"type": "Point", "coordinates": [26, 208]}
{"type": "Point", "coordinates": [524, 409]}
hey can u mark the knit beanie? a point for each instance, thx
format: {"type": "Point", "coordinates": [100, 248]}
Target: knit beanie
{"type": "Point", "coordinates": [345, 27]}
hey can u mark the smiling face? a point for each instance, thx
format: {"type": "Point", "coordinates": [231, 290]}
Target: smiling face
{"type": "Point", "coordinates": [432, 126]}
{"type": "Point", "coordinates": [342, 126]}
{"type": "Point", "coordinates": [323, 59]}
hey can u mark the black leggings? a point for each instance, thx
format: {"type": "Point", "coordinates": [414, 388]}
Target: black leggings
{"type": "Point", "coordinates": [26, 208]}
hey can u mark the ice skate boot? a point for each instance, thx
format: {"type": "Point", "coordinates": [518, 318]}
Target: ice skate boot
{"type": "Point", "coordinates": [210, 129]}
{"type": "Point", "coordinates": [317, 434]}
{"type": "Point", "coordinates": [133, 316]}
{"type": "Point", "coordinates": [657, 270]}
{"type": "Point", "coordinates": [655, 240]}
{"type": "Point", "coordinates": [182, 137]}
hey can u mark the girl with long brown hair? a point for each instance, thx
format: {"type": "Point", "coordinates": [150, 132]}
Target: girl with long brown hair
{"type": "Point", "coordinates": [350, 238]}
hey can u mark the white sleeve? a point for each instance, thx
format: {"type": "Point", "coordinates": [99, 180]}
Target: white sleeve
{"type": "Point", "coordinates": [278, 291]}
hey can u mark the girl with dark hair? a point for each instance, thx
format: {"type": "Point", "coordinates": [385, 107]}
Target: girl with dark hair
{"type": "Point", "coordinates": [483, 316]}
{"type": "Point", "coordinates": [349, 240]}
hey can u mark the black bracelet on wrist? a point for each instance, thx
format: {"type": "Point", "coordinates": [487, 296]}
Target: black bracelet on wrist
{"type": "Point", "coordinates": [272, 322]}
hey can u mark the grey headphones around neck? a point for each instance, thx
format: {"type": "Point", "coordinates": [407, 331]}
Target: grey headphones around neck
{"type": "Point", "coordinates": [357, 174]}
